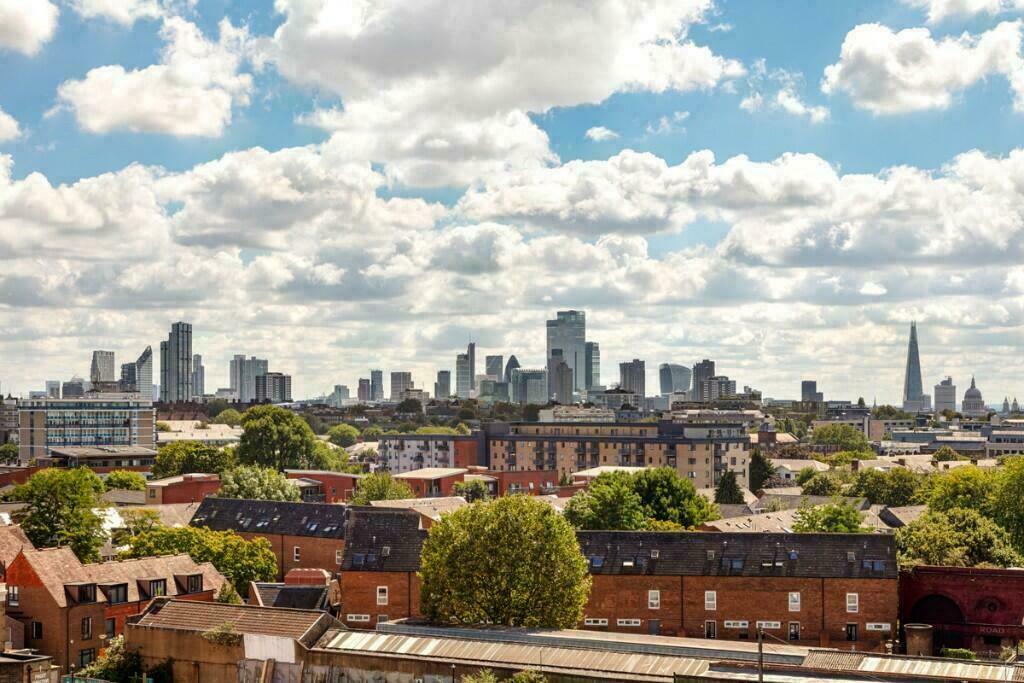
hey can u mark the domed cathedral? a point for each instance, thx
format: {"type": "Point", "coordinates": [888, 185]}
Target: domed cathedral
{"type": "Point", "coordinates": [973, 404]}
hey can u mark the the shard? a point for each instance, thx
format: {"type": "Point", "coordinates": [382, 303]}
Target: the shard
{"type": "Point", "coordinates": [913, 389]}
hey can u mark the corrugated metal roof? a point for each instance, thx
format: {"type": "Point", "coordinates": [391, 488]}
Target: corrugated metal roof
{"type": "Point", "coordinates": [929, 668]}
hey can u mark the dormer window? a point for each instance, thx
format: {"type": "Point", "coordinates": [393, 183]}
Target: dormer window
{"type": "Point", "coordinates": [87, 593]}
{"type": "Point", "coordinates": [157, 588]}
{"type": "Point", "coordinates": [117, 594]}
{"type": "Point", "coordinates": [195, 583]}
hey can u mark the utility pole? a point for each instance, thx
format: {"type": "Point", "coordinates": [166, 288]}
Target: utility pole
{"type": "Point", "coordinates": [760, 654]}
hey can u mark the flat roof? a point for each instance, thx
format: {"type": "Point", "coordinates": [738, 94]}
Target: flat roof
{"type": "Point", "coordinates": [594, 472]}
{"type": "Point", "coordinates": [432, 473]}
{"type": "Point", "coordinates": [102, 451]}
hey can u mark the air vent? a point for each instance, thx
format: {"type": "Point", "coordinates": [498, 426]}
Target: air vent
{"type": "Point", "coordinates": [655, 553]}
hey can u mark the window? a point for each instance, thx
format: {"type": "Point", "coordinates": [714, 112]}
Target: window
{"type": "Point", "coordinates": [595, 622]}
{"type": "Point", "coordinates": [735, 564]}
{"type": "Point", "coordinates": [157, 588]}
{"type": "Point", "coordinates": [654, 599]}
{"type": "Point", "coordinates": [37, 630]}
{"type": "Point", "coordinates": [152, 492]}
{"type": "Point", "coordinates": [86, 657]}
{"type": "Point", "coordinates": [794, 602]}
{"type": "Point", "coordinates": [382, 595]}
{"type": "Point", "coordinates": [117, 594]}
{"type": "Point", "coordinates": [710, 601]}
{"type": "Point", "coordinates": [851, 632]}
{"type": "Point", "coordinates": [382, 618]}
{"type": "Point", "coordinates": [627, 622]}
{"type": "Point", "coordinates": [852, 603]}
{"type": "Point", "coordinates": [338, 556]}
{"type": "Point", "coordinates": [297, 554]}
{"type": "Point", "coordinates": [87, 593]}
{"type": "Point", "coordinates": [13, 596]}
{"type": "Point", "coordinates": [358, 618]}
{"type": "Point", "coordinates": [195, 583]}
{"type": "Point", "coordinates": [794, 630]}
{"type": "Point", "coordinates": [86, 628]}
{"type": "Point", "coordinates": [110, 627]}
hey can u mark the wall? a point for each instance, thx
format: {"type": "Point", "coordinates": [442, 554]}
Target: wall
{"type": "Point", "coordinates": [187, 491]}
{"type": "Point", "coordinates": [359, 596]}
{"type": "Point", "coordinates": [318, 553]}
{"type": "Point", "coordinates": [196, 660]}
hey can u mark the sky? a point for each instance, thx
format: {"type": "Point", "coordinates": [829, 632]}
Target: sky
{"type": "Point", "coordinates": [337, 185]}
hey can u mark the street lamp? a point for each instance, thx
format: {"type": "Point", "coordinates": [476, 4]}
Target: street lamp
{"type": "Point", "coordinates": [453, 673]}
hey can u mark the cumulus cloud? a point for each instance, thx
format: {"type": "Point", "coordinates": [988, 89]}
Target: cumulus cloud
{"type": "Point", "coordinates": [190, 93]}
{"type": "Point", "coordinates": [601, 134]}
{"type": "Point", "coordinates": [26, 25]}
{"type": "Point", "coordinates": [9, 129]}
{"type": "Point", "coordinates": [939, 10]}
{"type": "Point", "coordinates": [785, 98]}
{"type": "Point", "coordinates": [895, 72]}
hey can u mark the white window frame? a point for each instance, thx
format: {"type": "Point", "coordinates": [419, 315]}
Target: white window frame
{"type": "Point", "coordinates": [14, 596]}
{"type": "Point", "coordinates": [794, 601]}
{"type": "Point", "coordinates": [627, 622]}
{"type": "Point", "coordinates": [358, 618]}
{"type": "Point", "coordinates": [594, 621]}
{"type": "Point", "coordinates": [654, 599]}
{"type": "Point", "coordinates": [339, 556]}
{"type": "Point", "coordinates": [770, 625]}
{"type": "Point", "coordinates": [710, 601]}
{"type": "Point", "coordinates": [296, 554]}
{"type": "Point", "coordinates": [382, 596]}
{"type": "Point", "coordinates": [852, 603]}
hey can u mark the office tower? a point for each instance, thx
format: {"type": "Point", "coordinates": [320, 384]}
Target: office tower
{"type": "Point", "coordinates": [945, 395]}
{"type": "Point", "coordinates": [568, 332]}
{"type": "Point", "coordinates": [273, 387]}
{"type": "Point", "coordinates": [376, 385]}
{"type": "Point", "coordinates": [443, 385]}
{"type": "Point", "coordinates": [913, 390]}
{"type": "Point", "coordinates": [341, 392]}
{"type": "Point", "coordinates": [102, 369]}
{"type": "Point", "coordinates": [529, 386]}
{"type": "Point", "coordinates": [673, 378]}
{"type": "Point", "coordinates": [702, 372]}
{"type": "Point", "coordinates": [129, 375]}
{"type": "Point", "coordinates": [592, 365]}
{"type": "Point", "coordinates": [717, 387]}
{"type": "Point", "coordinates": [73, 388]}
{"type": "Point", "coordinates": [52, 389]}
{"type": "Point", "coordinates": [471, 354]}
{"type": "Point", "coordinates": [492, 366]}
{"type": "Point", "coordinates": [511, 365]}
{"type": "Point", "coordinates": [560, 380]}
{"type": "Point", "coordinates": [243, 373]}
{"type": "Point", "coordinates": [465, 367]}
{"type": "Point", "coordinates": [144, 374]}
{"type": "Point", "coordinates": [198, 376]}
{"type": "Point", "coordinates": [400, 382]}
{"type": "Point", "coordinates": [633, 377]}
{"type": "Point", "coordinates": [809, 392]}
{"type": "Point", "coordinates": [176, 364]}
{"type": "Point", "coordinates": [363, 392]}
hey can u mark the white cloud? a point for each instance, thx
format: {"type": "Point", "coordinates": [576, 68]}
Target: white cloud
{"type": "Point", "coordinates": [191, 92]}
{"type": "Point", "coordinates": [601, 134]}
{"type": "Point", "coordinates": [889, 72]}
{"type": "Point", "coordinates": [938, 10]}
{"type": "Point", "coordinates": [9, 129]}
{"type": "Point", "coordinates": [786, 98]}
{"type": "Point", "coordinates": [25, 25]}
{"type": "Point", "coordinates": [668, 124]}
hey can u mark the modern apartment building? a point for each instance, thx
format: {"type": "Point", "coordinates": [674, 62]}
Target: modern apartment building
{"type": "Point", "coordinates": [102, 369]}
{"type": "Point", "coordinates": [198, 377]}
{"type": "Point", "coordinates": [243, 373]}
{"type": "Point", "coordinates": [633, 377]}
{"type": "Point", "coordinates": [945, 396]}
{"type": "Point", "coordinates": [592, 362]}
{"type": "Point", "coordinates": [111, 420]}
{"type": "Point", "coordinates": [376, 385]}
{"type": "Point", "coordinates": [465, 372]}
{"type": "Point", "coordinates": [702, 371]}
{"type": "Point", "coordinates": [443, 385]}
{"type": "Point", "coordinates": [176, 365]}
{"type": "Point", "coordinates": [409, 452]}
{"type": "Point", "coordinates": [365, 389]}
{"type": "Point", "coordinates": [273, 387]}
{"type": "Point", "coordinates": [144, 373]}
{"type": "Point", "coordinates": [400, 383]}
{"type": "Point", "coordinates": [560, 378]}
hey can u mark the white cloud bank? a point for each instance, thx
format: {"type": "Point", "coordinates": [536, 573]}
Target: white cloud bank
{"type": "Point", "coordinates": [26, 25]}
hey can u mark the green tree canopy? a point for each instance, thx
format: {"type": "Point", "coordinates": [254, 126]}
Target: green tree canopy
{"type": "Point", "coordinates": [963, 487]}
{"type": "Point", "coordinates": [58, 510]}
{"type": "Point", "coordinates": [240, 561]}
{"type": "Point", "coordinates": [257, 483]}
{"type": "Point", "coordinates": [117, 664]}
{"type": "Point", "coordinates": [372, 433]}
{"type": "Point", "coordinates": [609, 502]}
{"type": "Point", "coordinates": [847, 437]}
{"type": "Point", "coordinates": [186, 457]}
{"type": "Point", "coordinates": [380, 486]}
{"type": "Point", "coordinates": [728, 491]}
{"type": "Point", "coordinates": [894, 488]}
{"type": "Point", "coordinates": [473, 490]}
{"type": "Point", "coordinates": [667, 497]}
{"type": "Point", "coordinates": [9, 453]}
{"type": "Point", "coordinates": [805, 475]}
{"type": "Point", "coordinates": [835, 517]}
{"type": "Point", "coordinates": [1008, 500]}
{"type": "Point", "coordinates": [125, 480]}
{"type": "Point", "coordinates": [343, 435]}
{"type": "Point", "coordinates": [216, 407]}
{"type": "Point", "coordinates": [761, 470]}
{"type": "Point", "coordinates": [513, 561]}
{"type": "Point", "coordinates": [946, 454]}
{"type": "Point", "coordinates": [409, 405]}
{"type": "Point", "coordinates": [277, 438]}
{"type": "Point", "coordinates": [957, 537]}
{"type": "Point", "coordinates": [230, 417]}
{"type": "Point", "coordinates": [823, 484]}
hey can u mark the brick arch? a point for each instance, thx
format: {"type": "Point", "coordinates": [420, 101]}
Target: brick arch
{"type": "Point", "coordinates": [940, 611]}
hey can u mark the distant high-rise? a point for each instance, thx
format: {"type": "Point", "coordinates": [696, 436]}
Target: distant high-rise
{"type": "Point", "coordinates": [144, 373]}
{"type": "Point", "coordinates": [243, 373]}
{"type": "Point", "coordinates": [673, 378]}
{"type": "Point", "coordinates": [102, 369]}
{"type": "Point", "coordinates": [492, 366]}
{"type": "Point", "coordinates": [52, 389]}
{"type": "Point", "coordinates": [568, 332]}
{"type": "Point", "coordinates": [560, 379]}
{"type": "Point", "coordinates": [465, 369]}
{"type": "Point", "coordinates": [198, 376]}
{"type": "Point", "coordinates": [914, 398]}
{"type": "Point", "coordinates": [339, 395]}
{"type": "Point", "coordinates": [363, 392]}
{"type": "Point", "coordinates": [945, 396]}
{"type": "Point", "coordinates": [471, 353]}
{"type": "Point", "coordinates": [377, 385]}
{"type": "Point", "coordinates": [176, 364]}
{"type": "Point", "coordinates": [73, 388]}
{"type": "Point", "coordinates": [274, 387]}
{"type": "Point", "coordinates": [702, 372]}
{"type": "Point", "coordinates": [443, 385]}
{"type": "Point", "coordinates": [400, 383]}
{"type": "Point", "coordinates": [633, 377]}
{"type": "Point", "coordinates": [529, 386]}
{"type": "Point", "coordinates": [591, 365]}
{"type": "Point", "coordinates": [809, 392]}
{"type": "Point", "coordinates": [129, 377]}
{"type": "Point", "coordinates": [511, 365]}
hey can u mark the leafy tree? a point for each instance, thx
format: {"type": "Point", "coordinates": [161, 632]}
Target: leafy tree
{"type": "Point", "coordinates": [890, 413]}
{"type": "Point", "coordinates": [728, 491]}
{"type": "Point", "coordinates": [257, 483]}
{"type": "Point", "coordinates": [482, 676]}
{"type": "Point", "coordinates": [608, 503]}
{"type": "Point", "coordinates": [805, 475]}
{"type": "Point", "coordinates": [240, 561]}
{"type": "Point", "coordinates": [125, 480]}
{"type": "Point", "coordinates": [957, 537]}
{"type": "Point", "coordinates": [215, 407]}
{"type": "Point", "coordinates": [277, 438]}
{"type": "Point", "coordinates": [514, 561]}
{"type": "Point", "coordinates": [823, 484]}
{"type": "Point", "coordinates": [116, 664]}
{"type": "Point", "coordinates": [58, 510]}
{"type": "Point", "coordinates": [761, 470]}
{"type": "Point", "coordinates": [162, 426]}
{"type": "Point", "coordinates": [315, 423]}
{"type": "Point", "coordinates": [462, 429]}
{"type": "Point", "coordinates": [847, 437]}
{"type": "Point", "coordinates": [229, 416]}
{"type": "Point", "coordinates": [894, 488]}
{"type": "Point", "coordinates": [9, 453]}
{"type": "Point", "coordinates": [436, 429]}
{"type": "Point", "coordinates": [835, 517]}
{"type": "Point", "coordinates": [343, 435]}
{"type": "Point", "coordinates": [946, 454]}
{"type": "Point", "coordinates": [380, 486]}
{"type": "Point", "coordinates": [184, 457]}
{"type": "Point", "coordinates": [529, 676]}
{"type": "Point", "coordinates": [1007, 508]}
{"type": "Point", "coordinates": [409, 405]}
{"type": "Point", "coordinates": [135, 522]}
{"type": "Point", "coordinates": [667, 497]}
{"type": "Point", "coordinates": [372, 433]}
{"type": "Point", "coordinates": [472, 490]}
{"type": "Point", "coordinates": [227, 595]}
{"type": "Point", "coordinates": [963, 487]}
{"type": "Point", "coordinates": [844, 458]}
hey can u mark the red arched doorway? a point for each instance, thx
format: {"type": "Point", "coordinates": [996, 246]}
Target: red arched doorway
{"type": "Point", "coordinates": [940, 612]}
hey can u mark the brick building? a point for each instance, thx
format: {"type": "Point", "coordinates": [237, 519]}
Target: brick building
{"type": "Point", "coordinates": [112, 420]}
{"type": "Point", "coordinates": [407, 452]}
{"type": "Point", "coordinates": [433, 482]}
{"type": "Point", "coordinates": [71, 609]}
{"type": "Point", "coordinates": [184, 488]}
{"type": "Point", "coordinates": [335, 487]}
{"type": "Point", "coordinates": [101, 459]}
{"type": "Point", "coordinates": [300, 534]}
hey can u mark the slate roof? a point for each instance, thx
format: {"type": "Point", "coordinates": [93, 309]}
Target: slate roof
{"type": "Point", "coordinates": [902, 516]}
{"type": "Point", "coordinates": [189, 615]}
{"type": "Point", "coordinates": [294, 597]}
{"type": "Point", "coordinates": [12, 541]}
{"type": "Point", "coordinates": [740, 554]}
{"type": "Point", "coordinates": [382, 539]}
{"type": "Point", "coordinates": [315, 520]}
{"type": "Point", "coordinates": [430, 507]}
{"type": "Point", "coordinates": [786, 501]}
{"type": "Point", "coordinates": [124, 497]}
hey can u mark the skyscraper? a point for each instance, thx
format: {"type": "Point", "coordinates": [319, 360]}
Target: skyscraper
{"type": "Point", "coordinates": [129, 377]}
{"type": "Point", "coordinates": [945, 396]}
{"type": "Point", "coordinates": [102, 369]}
{"type": "Point", "coordinates": [176, 364]}
{"type": "Point", "coordinates": [376, 385]}
{"type": "Point", "coordinates": [443, 385]}
{"type": "Point", "coordinates": [243, 373]}
{"type": "Point", "coordinates": [529, 386]}
{"type": "Point", "coordinates": [492, 366]}
{"type": "Point", "coordinates": [465, 372]}
{"type": "Point", "coordinates": [52, 389]}
{"type": "Point", "coordinates": [568, 332]}
{"type": "Point", "coordinates": [363, 392]}
{"type": "Point", "coordinates": [511, 365]}
{"type": "Point", "coordinates": [198, 376]}
{"type": "Point", "coordinates": [592, 365]}
{"type": "Point", "coordinates": [633, 377]}
{"type": "Point", "coordinates": [914, 398]}
{"type": "Point", "coordinates": [471, 353]}
{"type": "Point", "coordinates": [560, 376]}
{"type": "Point", "coordinates": [144, 373]}
{"type": "Point", "coordinates": [400, 382]}
{"type": "Point", "coordinates": [274, 387]}
{"type": "Point", "coordinates": [702, 372]}
{"type": "Point", "coordinates": [809, 392]}
{"type": "Point", "coordinates": [673, 378]}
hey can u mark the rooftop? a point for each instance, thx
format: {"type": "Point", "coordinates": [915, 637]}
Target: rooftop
{"type": "Point", "coordinates": [595, 472]}
{"type": "Point", "coordinates": [271, 517]}
{"type": "Point", "coordinates": [103, 452]}
{"type": "Point", "coordinates": [383, 539]}
{"type": "Point", "coordinates": [432, 473]}
{"type": "Point", "coordinates": [191, 476]}
{"type": "Point", "coordinates": [431, 507]}
{"type": "Point", "coordinates": [187, 615]}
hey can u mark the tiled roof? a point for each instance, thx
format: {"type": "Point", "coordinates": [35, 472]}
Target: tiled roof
{"type": "Point", "coordinates": [902, 516]}
{"type": "Point", "coordinates": [382, 539]}
{"type": "Point", "coordinates": [431, 507]}
{"type": "Point", "coordinates": [786, 501]}
{"type": "Point", "coordinates": [294, 597]}
{"type": "Point", "coordinates": [124, 497]}
{"type": "Point", "coordinates": [12, 541]}
{"type": "Point", "coordinates": [190, 615]}
{"type": "Point", "coordinates": [431, 473]}
{"type": "Point", "coordinates": [740, 554]}
{"type": "Point", "coordinates": [315, 520]}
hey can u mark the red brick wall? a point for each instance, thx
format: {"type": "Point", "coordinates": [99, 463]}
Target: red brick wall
{"type": "Point", "coordinates": [192, 491]}
{"type": "Point", "coordinates": [318, 553]}
{"type": "Point", "coordinates": [359, 596]}
{"type": "Point", "coordinates": [626, 597]}
{"type": "Point", "coordinates": [466, 454]}
{"type": "Point", "coordinates": [338, 488]}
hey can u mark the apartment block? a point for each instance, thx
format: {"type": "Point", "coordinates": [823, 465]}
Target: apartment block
{"type": "Point", "coordinates": [408, 452]}
{"type": "Point", "coordinates": [47, 423]}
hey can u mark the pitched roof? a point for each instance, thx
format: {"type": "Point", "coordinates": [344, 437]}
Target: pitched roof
{"type": "Point", "coordinates": [191, 615]}
{"type": "Point", "coordinates": [430, 507]}
{"type": "Point", "coordinates": [432, 473]}
{"type": "Point", "coordinates": [902, 516]}
{"type": "Point", "coordinates": [12, 541]}
{"type": "Point", "coordinates": [739, 554]}
{"type": "Point", "coordinates": [382, 539]}
{"type": "Point", "coordinates": [271, 517]}
{"type": "Point", "coordinates": [294, 597]}
{"type": "Point", "coordinates": [124, 497]}
{"type": "Point", "coordinates": [787, 501]}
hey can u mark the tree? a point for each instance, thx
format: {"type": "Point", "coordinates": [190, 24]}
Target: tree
{"type": "Point", "coordinates": [529, 676]}
{"type": "Point", "coordinates": [964, 487]}
{"type": "Point", "coordinates": [215, 407]}
{"type": "Point", "coordinates": [463, 430]}
{"type": "Point", "coordinates": [436, 429]}
{"type": "Point", "coordinates": [372, 433]}
{"type": "Point", "coordinates": [277, 438]}
{"type": "Point", "coordinates": [835, 517]}
{"type": "Point", "coordinates": [667, 497]}
{"type": "Point", "coordinates": [58, 510]}
{"type": "Point", "coordinates": [230, 417]}
{"type": "Point", "coordinates": [728, 491]}
{"type": "Point", "coordinates": [482, 676]}
{"type": "Point", "coordinates": [805, 475]}
{"type": "Point", "coordinates": [184, 457]}
{"type": "Point", "coordinates": [894, 488]}
{"type": "Point", "coordinates": [514, 562]}
{"type": "Point", "coordinates": [116, 664]}
{"type": "Point", "coordinates": [227, 595]}
{"type": "Point", "coordinates": [240, 561]}
{"type": "Point", "coordinates": [315, 423]}
{"type": "Point", "coordinates": [847, 437]}
{"type": "Point", "coordinates": [135, 522]}
{"type": "Point", "coordinates": [1006, 500]}
{"type": "Point", "coordinates": [125, 480]}
{"type": "Point", "coordinates": [409, 405]}
{"type": "Point", "coordinates": [822, 484]}
{"type": "Point", "coordinates": [380, 486]}
{"type": "Point", "coordinates": [946, 454]}
{"type": "Point", "coordinates": [162, 426]}
{"type": "Point", "coordinates": [257, 483]}
{"type": "Point", "coordinates": [761, 470]}
{"type": "Point", "coordinates": [609, 503]}
{"type": "Point", "coordinates": [473, 490]}
{"type": "Point", "coordinates": [343, 435]}
{"type": "Point", "coordinates": [9, 453]}
{"type": "Point", "coordinates": [958, 537]}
